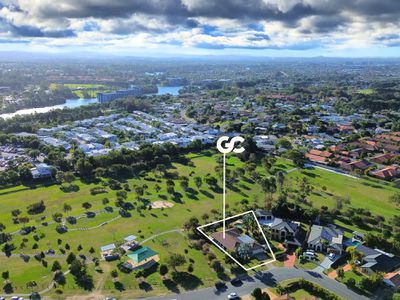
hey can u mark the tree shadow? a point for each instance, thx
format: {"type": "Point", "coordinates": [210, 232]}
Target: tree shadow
{"type": "Point", "coordinates": [207, 194]}
{"type": "Point", "coordinates": [186, 280]}
{"type": "Point", "coordinates": [172, 286]}
{"type": "Point", "coordinates": [177, 197]}
{"type": "Point", "coordinates": [145, 286]}
{"type": "Point", "coordinates": [119, 286]}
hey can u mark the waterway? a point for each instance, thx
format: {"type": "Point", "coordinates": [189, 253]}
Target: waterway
{"type": "Point", "coordinates": [73, 103]}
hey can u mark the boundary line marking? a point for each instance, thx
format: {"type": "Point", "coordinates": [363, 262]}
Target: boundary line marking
{"type": "Point", "coordinates": [199, 228]}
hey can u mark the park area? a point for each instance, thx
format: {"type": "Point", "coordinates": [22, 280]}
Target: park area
{"type": "Point", "coordinates": [99, 222]}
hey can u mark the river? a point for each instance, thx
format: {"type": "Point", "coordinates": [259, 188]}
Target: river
{"type": "Point", "coordinates": [73, 103]}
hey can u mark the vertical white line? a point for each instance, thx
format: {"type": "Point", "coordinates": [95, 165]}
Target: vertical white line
{"type": "Point", "coordinates": [223, 195]}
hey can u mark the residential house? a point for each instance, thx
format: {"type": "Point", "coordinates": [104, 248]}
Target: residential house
{"type": "Point", "coordinates": [387, 173]}
{"type": "Point", "coordinates": [393, 280]}
{"type": "Point", "coordinates": [41, 171]}
{"type": "Point", "coordinates": [130, 243]}
{"type": "Point", "coordinates": [326, 238]}
{"type": "Point", "coordinates": [318, 156]}
{"type": "Point", "coordinates": [107, 252]}
{"type": "Point", "coordinates": [361, 165]}
{"type": "Point", "coordinates": [142, 258]}
{"type": "Point", "coordinates": [376, 260]}
{"type": "Point", "coordinates": [285, 231]}
{"type": "Point", "coordinates": [383, 159]}
{"type": "Point", "coordinates": [234, 238]}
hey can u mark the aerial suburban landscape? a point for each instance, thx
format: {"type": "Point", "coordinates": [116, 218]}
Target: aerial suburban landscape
{"type": "Point", "coordinates": [199, 150]}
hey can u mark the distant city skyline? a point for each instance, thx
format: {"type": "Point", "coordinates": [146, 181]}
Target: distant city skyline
{"type": "Point", "coordinates": [279, 28]}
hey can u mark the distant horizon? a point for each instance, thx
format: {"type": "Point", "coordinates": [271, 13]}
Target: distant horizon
{"type": "Point", "coordinates": [23, 55]}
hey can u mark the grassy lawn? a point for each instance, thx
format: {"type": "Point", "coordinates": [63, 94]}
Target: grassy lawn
{"type": "Point", "coordinates": [79, 89]}
{"type": "Point", "coordinates": [146, 223]}
{"type": "Point", "coordinates": [361, 192]}
{"type": "Point", "coordinates": [299, 293]}
{"type": "Point", "coordinates": [357, 277]}
{"type": "Point", "coordinates": [83, 85]}
{"type": "Point", "coordinates": [366, 91]}
{"type": "Point", "coordinates": [309, 265]}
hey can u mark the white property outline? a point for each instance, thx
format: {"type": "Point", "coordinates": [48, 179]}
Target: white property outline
{"type": "Point", "coordinates": [227, 253]}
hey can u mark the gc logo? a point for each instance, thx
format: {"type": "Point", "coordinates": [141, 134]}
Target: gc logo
{"type": "Point", "coordinates": [224, 146]}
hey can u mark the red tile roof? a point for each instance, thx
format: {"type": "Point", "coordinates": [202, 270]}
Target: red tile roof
{"type": "Point", "coordinates": [382, 158]}
{"type": "Point", "coordinates": [320, 153]}
{"type": "Point", "coordinates": [316, 158]}
{"type": "Point", "coordinates": [387, 173]}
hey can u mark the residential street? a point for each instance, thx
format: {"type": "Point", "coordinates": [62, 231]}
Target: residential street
{"type": "Point", "coordinates": [270, 278]}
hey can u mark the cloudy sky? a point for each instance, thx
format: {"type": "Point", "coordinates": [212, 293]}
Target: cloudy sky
{"type": "Point", "coordinates": [239, 27]}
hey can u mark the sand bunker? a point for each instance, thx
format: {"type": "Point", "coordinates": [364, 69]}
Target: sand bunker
{"type": "Point", "coordinates": [161, 204]}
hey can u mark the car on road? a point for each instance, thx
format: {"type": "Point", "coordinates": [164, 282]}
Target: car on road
{"type": "Point", "coordinates": [331, 256]}
{"type": "Point", "coordinates": [2, 298]}
{"type": "Point", "coordinates": [236, 282]}
{"type": "Point", "coordinates": [233, 296]}
{"type": "Point", "coordinates": [16, 298]}
{"type": "Point", "coordinates": [220, 285]}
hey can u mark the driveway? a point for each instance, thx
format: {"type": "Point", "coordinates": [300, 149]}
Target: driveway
{"type": "Point", "coordinates": [325, 264]}
{"type": "Point", "coordinates": [290, 260]}
{"type": "Point", "coordinates": [269, 279]}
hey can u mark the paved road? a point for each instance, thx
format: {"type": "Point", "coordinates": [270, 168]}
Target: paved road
{"type": "Point", "coordinates": [270, 278]}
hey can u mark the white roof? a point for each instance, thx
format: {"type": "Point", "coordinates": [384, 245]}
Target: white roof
{"type": "Point", "coordinates": [130, 238]}
{"type": "Point", "coordinates": [107, 247]}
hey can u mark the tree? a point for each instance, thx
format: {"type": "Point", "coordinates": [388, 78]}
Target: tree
{"type": "Point", "coordinates": [25, 174]}
{"type": "Point", "coordinates": [86, 205]}
{"type": "Point", "coordinates": [244, 251]}
{"type": "Point", "coordinates": [205, 217]}
{"type": "Point", "coordinates": [340, 272]}
{"type": "Point", "coordinates": [23, 220]}
{"type": "Point", "coordinates": [70, 258]}
{"type": "Point", "coordinates": [192, 224]}
{"type": "Point", "coordinates": [163, 270]}
{"type": "Point", "coordinates": [31, 284]}
{"type": "Point", "coordinates": [395, 198]}
{"type": "Point", "coordinates": [297, 157]}
{"type": "Point", "coordinates": [198, 182]}
{"type": "Point", "coordinates": [284, 143]}
{"type": "Point", "coordinates": [105, 201]}
{"type": "Point", "coordinates": [56, 266]}
{"type": "Point", "coordinates": [249, 223]}
{"type": "Point", "coordinates": [5, 275]}
{"type": "Point", "coordinates": [184, 184]}
{"type": "Point", "coordinates": [114, 273]}
{"type": "Point", "coordinates": [69, 177]}
{"type": "Point", "coordinates": [67, 208]}
{"type": "Point", "coordinates": [57, 217]}
{"type": "Point", "coordinates": [351, 282]}
{"type": "Point", "coordinates": [15, 212]}
{"type": "Point", "coordinates": [2, 227]}
{"type": "Point", "coordinates": [257, 293]}
{"type": "Point", "coordinates": [175, 260]}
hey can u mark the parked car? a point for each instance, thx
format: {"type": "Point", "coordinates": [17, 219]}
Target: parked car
{"type": "Point", "coordinates": [309, 255]}
{"type": "Point", "coordinates": [331, 256]}
{"type": "Point", "coordinates": [233, 296]}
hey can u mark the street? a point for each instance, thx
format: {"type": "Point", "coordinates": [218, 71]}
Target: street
{"type": "Point", "coordinates": [270, 279]}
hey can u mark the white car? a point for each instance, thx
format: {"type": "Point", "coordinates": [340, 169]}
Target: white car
{"type": "Point", "coordinates": [233, 296]}
{"type": "Point", "coordinates": [331, 256]}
